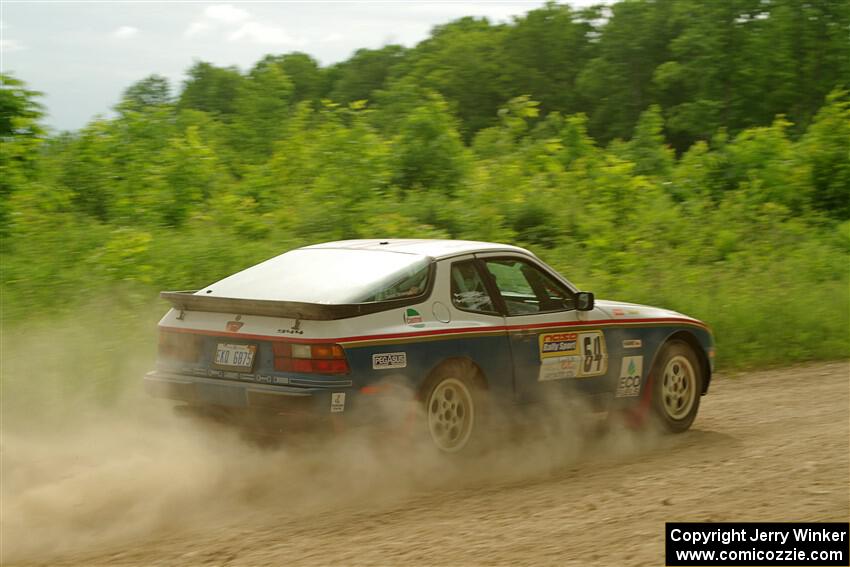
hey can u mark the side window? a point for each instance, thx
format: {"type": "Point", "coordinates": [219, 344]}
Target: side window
{"type": "Point", "coordinates": [468, 290]}
{"type": "Point", "coordinates": [526, 289]}
{"type": "Point", "coordinates": [407, 283]}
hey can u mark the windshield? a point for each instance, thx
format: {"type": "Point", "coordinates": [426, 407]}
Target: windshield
{"type": "Point", "coordinates": [329, 276]}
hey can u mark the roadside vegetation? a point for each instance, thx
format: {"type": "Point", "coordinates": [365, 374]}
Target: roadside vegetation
{"type": "Point", "coordinates": [684, 154]}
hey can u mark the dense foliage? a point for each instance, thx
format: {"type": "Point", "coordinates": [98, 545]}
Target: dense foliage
{"type": "Point", "coordinates": [732, 64]}
{"type": "Point", "coordinates": [686, 154]}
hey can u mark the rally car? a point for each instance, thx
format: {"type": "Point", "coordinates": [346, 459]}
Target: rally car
{"type": "Point", "coordinates": [324, 330]}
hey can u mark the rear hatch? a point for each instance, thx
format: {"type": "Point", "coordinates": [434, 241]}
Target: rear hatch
{"type": "Point", "coordinates": [277, 322]}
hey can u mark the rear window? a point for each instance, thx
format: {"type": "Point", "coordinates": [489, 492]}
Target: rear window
{"type": "Point", "coordinates": [329, 276]}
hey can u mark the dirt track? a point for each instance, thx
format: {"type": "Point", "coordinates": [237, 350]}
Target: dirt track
{"type": "Point", "coordinates": [769, 445]}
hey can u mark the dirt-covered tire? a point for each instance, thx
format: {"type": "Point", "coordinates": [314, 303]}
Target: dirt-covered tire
{"type": "Point", "coordinates": [455, 405]}
{"type": "Point", "coordinates": [677, 385]}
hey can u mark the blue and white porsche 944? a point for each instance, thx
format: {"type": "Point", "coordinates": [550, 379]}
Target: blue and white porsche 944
{"type": "Point", "coordinates": [468, 326]}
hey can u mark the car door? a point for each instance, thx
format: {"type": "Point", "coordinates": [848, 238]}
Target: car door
{"type": "Point", "coordinates": [553, 346]}
{"type": "Point", "coordinates": [484, 339]}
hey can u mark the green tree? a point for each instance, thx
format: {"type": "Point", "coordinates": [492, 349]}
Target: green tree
{"type": "Point", "coordinates": [826, 148]}
{"type": "Point", "coordinates": [463, 62]}
{"type": "Point", "coordinates": [544, 51]}
{"type": "Point", "coordinates": [647, 148]}
{"type": "Point", "coordinates": [261, 109]}
{"type": "Point", "coordinates": [698, 83]}
{"type": "Point", "coordinates": [211, 89]}
{"type": "Point", "coordinates": [21, 134]}
{"type": "Point", "coordinates": [801, 54]}
{"type": "Point", "coordinates": [429, 152]}
{"type": "Point", "coordinates": [616, 85]}
{"type": "Point", "coordinates": [191, 175]}
{"type": "Point", "coordinates": [88, 172]}
{"type": "Point", "coordinates": [364, 73]}
{"type": "Point", "coordinates": [304, 73]}
{"type": "Point", "coordinates": [149, 92]}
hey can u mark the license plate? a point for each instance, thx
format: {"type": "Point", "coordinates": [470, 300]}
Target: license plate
{"type": "Point", "coordinates": [239, 357]}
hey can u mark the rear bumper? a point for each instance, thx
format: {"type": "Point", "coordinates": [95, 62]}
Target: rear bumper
{"type": "Point", "coordinates": [196, 390]}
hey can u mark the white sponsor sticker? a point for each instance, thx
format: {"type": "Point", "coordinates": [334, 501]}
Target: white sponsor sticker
{"type": "Point", "coordinates": [386, 360]}
{"type": "Point", "coordinates": [559, 368]}
{"type": "Point", "coordinates": [631, 372]}
{"type": "Point", "coordinates": [337, 402]}
{"type": "Point", "coordinates": [632, 343]}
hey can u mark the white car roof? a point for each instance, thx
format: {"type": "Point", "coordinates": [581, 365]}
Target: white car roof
{"type": "Point", "coordinates": [426, 247]}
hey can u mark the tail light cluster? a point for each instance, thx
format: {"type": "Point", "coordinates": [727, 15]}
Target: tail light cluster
{"type": "Point", "coordinates": [310, 359]}
{"type": "Point", "coordinates": [179, 346]}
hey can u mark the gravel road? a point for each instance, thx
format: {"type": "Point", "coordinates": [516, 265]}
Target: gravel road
{"type": "Point", "coordinates": [767, 446]}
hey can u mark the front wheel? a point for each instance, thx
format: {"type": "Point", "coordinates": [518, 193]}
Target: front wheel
{"type": "Point", "coordinates": [677, 387]}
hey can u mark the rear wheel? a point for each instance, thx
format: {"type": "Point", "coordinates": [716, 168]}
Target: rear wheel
{"type": "Point", "coordinates": [677, 387]}
{"type": "Point", "coordinates": [455, 408]}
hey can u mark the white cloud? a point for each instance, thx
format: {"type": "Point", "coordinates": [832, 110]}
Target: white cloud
{"type": "Point", "coordinates": [9, 45]}
{"type": "Point", "coordinates": [332, 37]}
{"type": "Point", "coordinates": [239, 25]}
{"type": "Point", "coordinates": [264, 34]}
{"type": "Point", "coordinates": [226, 14]}
{"type": "Point", "coordinates": [125, 32]}
{"type": "Point", "coordinates": [196, 29]}
{"type": "Point", "coordinates": [217, 16]}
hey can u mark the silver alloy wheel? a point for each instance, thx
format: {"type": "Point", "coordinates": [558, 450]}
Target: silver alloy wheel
{"type": "Point", "coordinates": [678, 387]}
{"type": "Point", "coordinates": [451, 415]}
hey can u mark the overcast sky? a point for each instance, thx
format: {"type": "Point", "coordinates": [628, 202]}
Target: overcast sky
{"type": "Point", "coordinates": [82, 55]}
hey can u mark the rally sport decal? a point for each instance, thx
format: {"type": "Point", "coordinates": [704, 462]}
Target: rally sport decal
{"type": "Point", "coordinates": [572, 355]}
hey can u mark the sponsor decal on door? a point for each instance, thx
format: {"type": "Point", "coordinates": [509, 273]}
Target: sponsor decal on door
{"type": "Point", "coordinates": [631, 372]}
{"type": "Point", "coordinates": [387, 360]}
{"type": "Point", "coordinates": [572, 355]}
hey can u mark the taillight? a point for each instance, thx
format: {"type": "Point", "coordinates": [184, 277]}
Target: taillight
{"type": "Point", "coordinates": [310, 359]}
{"type": "Point", "coordinates": [179, 346]}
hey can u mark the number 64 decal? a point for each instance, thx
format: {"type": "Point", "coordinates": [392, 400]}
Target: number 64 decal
{"type": "Point", "coordinates": [593, 353]}
{"type": "Point", "coordinates": [571, 354]}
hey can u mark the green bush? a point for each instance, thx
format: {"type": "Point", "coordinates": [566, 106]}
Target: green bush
{"type": "Point", "coordinates": [746, 232]}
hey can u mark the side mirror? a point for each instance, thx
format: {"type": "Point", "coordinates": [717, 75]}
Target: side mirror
{"type": "Point", "coordinates": [584, 301]}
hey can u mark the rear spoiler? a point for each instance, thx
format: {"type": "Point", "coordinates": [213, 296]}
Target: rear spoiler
{"type": "Point", "coordinates": [188, 301]}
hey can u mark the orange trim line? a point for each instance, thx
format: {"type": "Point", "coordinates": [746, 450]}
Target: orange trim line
{"type": "Point", "coordinates": [437, 332]}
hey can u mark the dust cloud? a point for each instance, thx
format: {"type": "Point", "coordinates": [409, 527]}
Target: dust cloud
{"type": "Point", "coordinates": [82, 470]}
